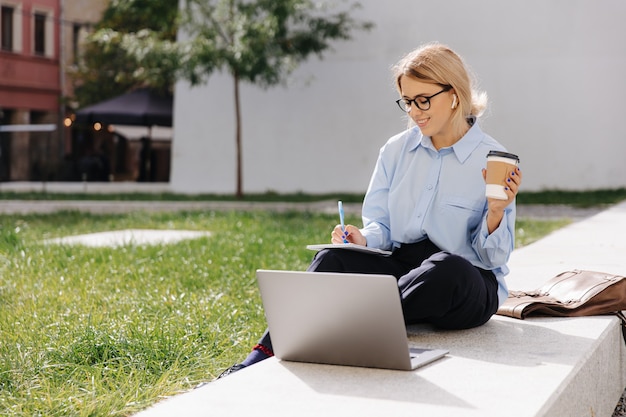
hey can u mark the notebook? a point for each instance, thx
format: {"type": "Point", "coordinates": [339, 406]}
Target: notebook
{"type": "Point", "coordinates": [339, 319]}
{"type": "Point", "coordinates": [349, 246]}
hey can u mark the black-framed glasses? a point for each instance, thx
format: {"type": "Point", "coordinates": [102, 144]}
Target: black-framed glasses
{"type": "Point", "coordinates": [421, 102]}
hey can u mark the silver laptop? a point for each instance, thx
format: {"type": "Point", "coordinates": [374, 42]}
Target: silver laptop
{"type": "Point", "coordinates": [340, 319]}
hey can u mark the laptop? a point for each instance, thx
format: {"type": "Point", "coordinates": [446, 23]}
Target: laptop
{"type": "Point", "coordinates": [339, 319]}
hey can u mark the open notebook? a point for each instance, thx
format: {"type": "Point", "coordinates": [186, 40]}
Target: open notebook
{"type": "Point", "coordinates": [349, 246]}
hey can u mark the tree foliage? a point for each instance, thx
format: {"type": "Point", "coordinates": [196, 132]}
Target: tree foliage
{"type": "Point", "coordinates": [133, 46]}
{"type": "Point", "coordinates": [260, 41]}
{"type": "Point", "coordinates": [133, 15]}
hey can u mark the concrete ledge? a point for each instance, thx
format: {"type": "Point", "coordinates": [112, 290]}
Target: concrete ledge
{"type": "Point", "coordinates": [534, 367]}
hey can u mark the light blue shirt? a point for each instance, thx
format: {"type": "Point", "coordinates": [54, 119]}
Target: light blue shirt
{"type": "Point", "coordinates": [418, 192]}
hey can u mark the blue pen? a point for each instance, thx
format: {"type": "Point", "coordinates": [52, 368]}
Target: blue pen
{"type": "Point", "coordinates": [341, 219]}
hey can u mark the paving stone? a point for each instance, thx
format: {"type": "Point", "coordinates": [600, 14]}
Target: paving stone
{"type": "Point", "coordinates": [129, 237]}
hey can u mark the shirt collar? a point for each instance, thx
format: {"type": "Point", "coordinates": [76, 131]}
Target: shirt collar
{"type": "Point", "coordinates": [462, 149]}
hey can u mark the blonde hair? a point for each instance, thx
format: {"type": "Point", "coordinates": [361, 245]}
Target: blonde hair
{"type": "Point", "coordinates": [438, 64]}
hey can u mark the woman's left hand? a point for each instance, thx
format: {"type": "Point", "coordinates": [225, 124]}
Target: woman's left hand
{"type": "Point", "coordinates": [496, 207]}
{"type": "Point", "coordinates": [513, 183]}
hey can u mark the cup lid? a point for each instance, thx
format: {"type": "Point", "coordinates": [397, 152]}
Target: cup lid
{"type": "Point", "coordinates": [503, 155]}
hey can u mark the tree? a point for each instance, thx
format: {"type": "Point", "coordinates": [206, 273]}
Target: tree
{"type": "Point", "coordinates": [133, 46]}
{"type": "Point", "coordinates": [258, 41]}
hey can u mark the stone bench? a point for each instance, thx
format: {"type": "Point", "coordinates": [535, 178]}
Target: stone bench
{"type": "Point", "coordinates": [535, 367]}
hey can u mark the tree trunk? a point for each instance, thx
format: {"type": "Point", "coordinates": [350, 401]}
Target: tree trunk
{"type": "Point", "coordinates": [239, 192]}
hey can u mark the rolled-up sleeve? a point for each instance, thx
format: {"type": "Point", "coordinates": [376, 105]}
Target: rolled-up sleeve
{"type": "Point", "coordinates": [494, 249]}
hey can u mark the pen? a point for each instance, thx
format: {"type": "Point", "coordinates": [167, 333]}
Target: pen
{"type": "Point", "coordinates": [341, 219]}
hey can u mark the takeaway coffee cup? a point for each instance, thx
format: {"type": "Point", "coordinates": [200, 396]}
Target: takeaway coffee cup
{"type": "Point", "coordinates": [499, 164]}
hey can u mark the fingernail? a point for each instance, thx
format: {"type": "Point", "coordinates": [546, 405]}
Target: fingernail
{"type": "Point", "coordinates": [508, 180]}
{"type": "Point", "coordinates": [506, 188]}
{"type": "Point", "coordinates": [513, 173]}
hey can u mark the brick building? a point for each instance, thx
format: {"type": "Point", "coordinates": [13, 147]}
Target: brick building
{"type": "Point", "coordinates": [29, 84]}
{"type": "Point", "coordinates": [40, 40]}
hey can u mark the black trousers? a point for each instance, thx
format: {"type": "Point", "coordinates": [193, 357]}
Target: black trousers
{"type": "Point", "coordinates": [435, 287]}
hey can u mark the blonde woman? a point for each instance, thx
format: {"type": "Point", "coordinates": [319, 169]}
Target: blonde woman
{"type": "Point", "coordinates": [426, 203]}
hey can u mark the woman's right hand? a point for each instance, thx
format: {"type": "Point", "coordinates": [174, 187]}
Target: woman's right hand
{"type": "Point", "coordinates": [352, 235]}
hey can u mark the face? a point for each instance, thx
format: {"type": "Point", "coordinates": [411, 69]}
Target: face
{"type": "Point", "coordinates": [434, 122]}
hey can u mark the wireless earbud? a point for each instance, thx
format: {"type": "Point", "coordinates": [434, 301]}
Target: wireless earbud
{"type": "Point", "coordinates": [454, 101]}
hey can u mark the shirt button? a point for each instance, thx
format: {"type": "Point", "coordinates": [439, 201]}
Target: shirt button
{"type": "Point", "coordinates": [429, 187]}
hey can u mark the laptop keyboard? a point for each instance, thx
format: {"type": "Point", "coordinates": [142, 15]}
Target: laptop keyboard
{"type": "Point", "coordinates": [415, 352]}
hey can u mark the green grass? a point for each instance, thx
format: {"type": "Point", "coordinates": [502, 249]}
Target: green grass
{"type": "Point", "coordinates": [137, 196]}
{"type": "Point", "coordinates": [574, 198]}
{"type": "Point", "coordinates": [106, 332]}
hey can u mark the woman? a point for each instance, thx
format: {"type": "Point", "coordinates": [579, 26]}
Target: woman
{"type": "Point", "coordinates": [426, 202]}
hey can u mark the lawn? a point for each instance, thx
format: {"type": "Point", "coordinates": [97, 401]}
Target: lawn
{"type": "Point", "coordinates": [108, 331]}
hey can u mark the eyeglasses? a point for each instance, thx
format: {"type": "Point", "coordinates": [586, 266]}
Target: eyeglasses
{"type": "Point", "coordinates": [421, 102]}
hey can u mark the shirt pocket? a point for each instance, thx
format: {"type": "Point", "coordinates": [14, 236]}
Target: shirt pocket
{"type": "Point", "coordinates": [462, 210]}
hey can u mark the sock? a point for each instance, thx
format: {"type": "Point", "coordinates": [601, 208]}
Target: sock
{"type": "Point", "coordinates": [259, 353]}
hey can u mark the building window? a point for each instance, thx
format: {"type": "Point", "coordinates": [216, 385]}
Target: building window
{"type": "Point", "coordinates": [6, 27]}
{"type": "Point", "coordinates": [40, 34]}
{"type": "Point", "coordinates": [76, 31]}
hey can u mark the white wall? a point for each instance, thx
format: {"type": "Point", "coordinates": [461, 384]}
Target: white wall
{"type": "Point", "coordinates": [554, 72]}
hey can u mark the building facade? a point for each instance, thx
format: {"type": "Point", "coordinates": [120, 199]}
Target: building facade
{"type": "Point", "coordinates": [40, 41]}
{"type": "Point", "coordinates": [30, 85]}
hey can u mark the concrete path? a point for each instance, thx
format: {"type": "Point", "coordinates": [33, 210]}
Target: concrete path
{"type": "Point", "coordinates": [535, 367]}
{"type": "Point", "coordinates": [96, 188]}
{"type": "Point", "coordinates": [329, 207]}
